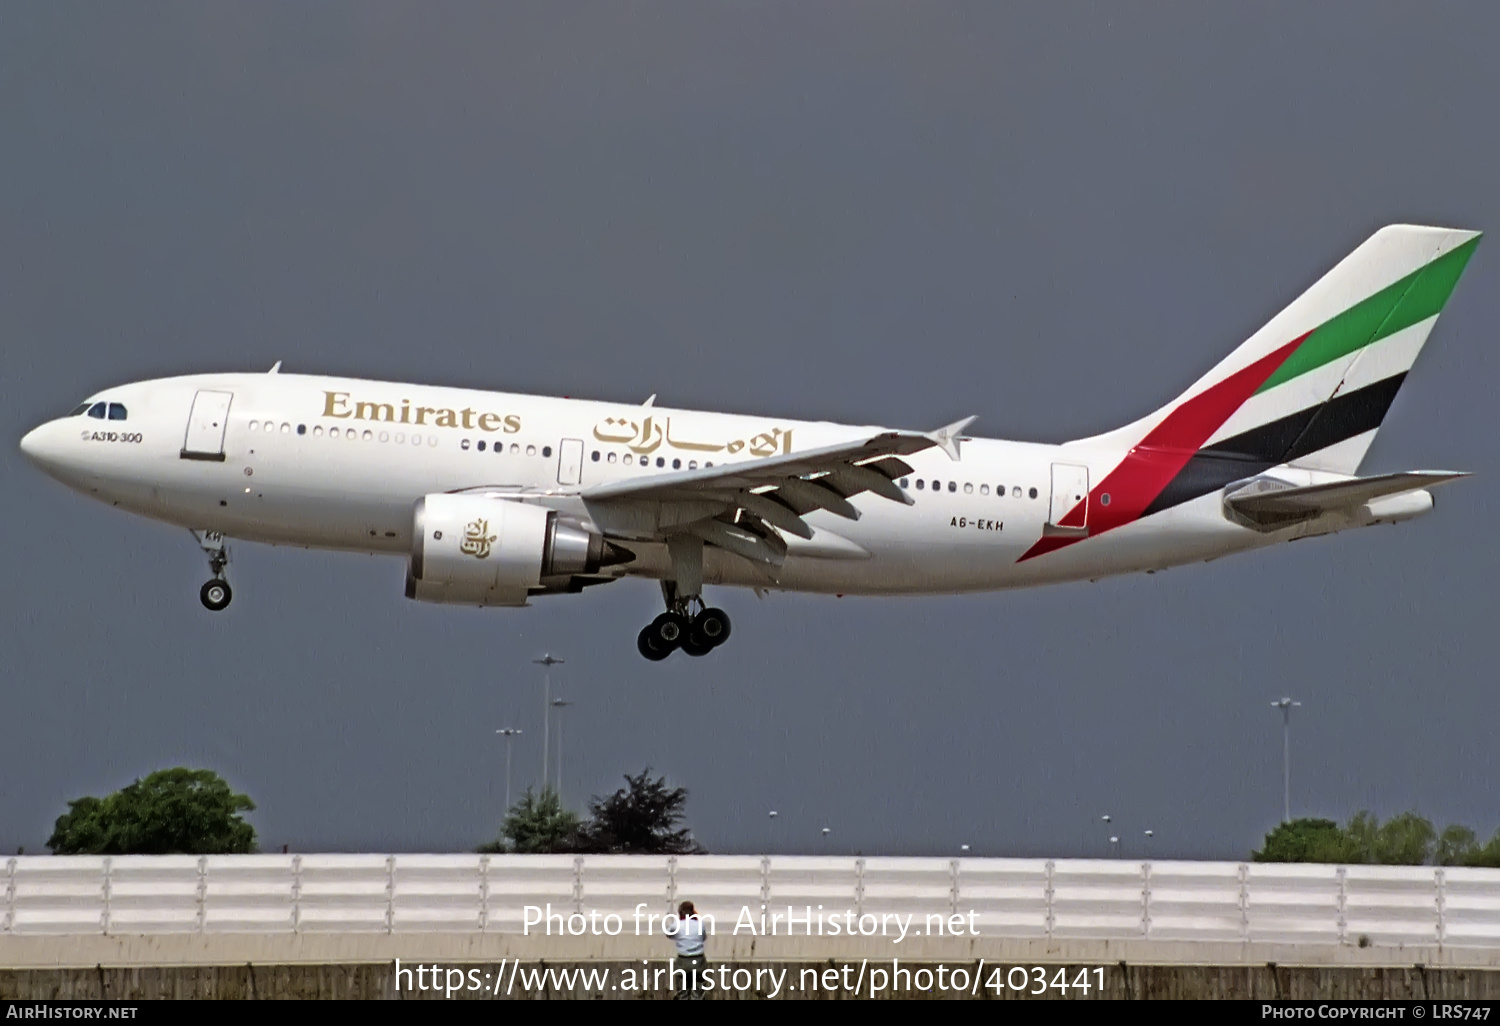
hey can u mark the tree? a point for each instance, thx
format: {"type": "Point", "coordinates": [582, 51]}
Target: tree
{"type": "Point", "coordinates": [1361, 835]}
{"type": "Point", "coordinates": [536, 825]}
{"type": "Point", "coordinates": [171, 812]}
{"type": "Point", "coordinates": [1404, 840]}
{"type": "Point", "coordinates": [641, 818]}
{"type": "Point", "coordinates": [1305, 840]}
{"type": "Point", "coordinates": [1455, 844]}
{"type": "Point", "coordinates": [1487, 855]}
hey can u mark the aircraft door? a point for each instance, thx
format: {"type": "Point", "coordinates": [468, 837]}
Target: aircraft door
{"type": "Point", "coordinates": [1069, 509]}
{"type": "Point", "coordinates": [206, 424]}
{"type": "Point", "coordinates": [569, 461]}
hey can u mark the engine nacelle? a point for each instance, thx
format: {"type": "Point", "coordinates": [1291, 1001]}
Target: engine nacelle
{"type": "Point", "coordinates": [478, 550]}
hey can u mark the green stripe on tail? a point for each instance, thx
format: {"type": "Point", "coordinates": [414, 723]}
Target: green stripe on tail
{"type": "Point", "coordinates": [1413, 299]}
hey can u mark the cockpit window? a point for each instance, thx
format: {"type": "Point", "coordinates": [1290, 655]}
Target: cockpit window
{"type": "Point", "coordinates": [97, 410]}
{"type": "Point", "coordinates": [82, 409]}
{"type": "Point", "coordinates": [116, 411]}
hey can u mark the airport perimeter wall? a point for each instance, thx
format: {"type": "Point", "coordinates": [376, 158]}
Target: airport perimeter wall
{"type": "Point", "coordinates": [282, 925]}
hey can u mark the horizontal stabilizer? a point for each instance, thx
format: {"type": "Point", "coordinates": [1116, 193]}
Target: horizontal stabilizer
{"type": "Point", "coordinates": [1264, 499]}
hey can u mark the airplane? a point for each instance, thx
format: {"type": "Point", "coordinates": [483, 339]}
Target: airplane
{"type": "Point", "coordinates": [493, 498]}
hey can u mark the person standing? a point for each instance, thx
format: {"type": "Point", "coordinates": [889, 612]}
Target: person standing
{"type": "Point", "coordinates": [690, 957]}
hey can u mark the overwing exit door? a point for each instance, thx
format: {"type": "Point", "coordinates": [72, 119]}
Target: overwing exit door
{"type": "Point", "coordinates": [1069, 509]}
{"type": "Point", "coordinates": [206, 424]}
{"type": "Point", "coordinates": [569, 461]}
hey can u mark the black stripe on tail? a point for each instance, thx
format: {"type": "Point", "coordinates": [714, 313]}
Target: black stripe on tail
{"type": "Point", "coordinates": [1280, 441]}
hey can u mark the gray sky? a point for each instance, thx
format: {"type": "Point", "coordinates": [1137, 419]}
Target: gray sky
{"type": "Point", "coordinates": [1053, 216]}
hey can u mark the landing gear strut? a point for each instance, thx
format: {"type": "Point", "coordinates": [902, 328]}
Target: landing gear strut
{"type": "Point", "coordinates": [679, 627]}
{"type": "Point", "coordinates": [216, 593]}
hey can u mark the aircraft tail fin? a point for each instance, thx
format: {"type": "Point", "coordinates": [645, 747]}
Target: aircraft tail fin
{"type": "Point", "coordinates": [1311, 387]}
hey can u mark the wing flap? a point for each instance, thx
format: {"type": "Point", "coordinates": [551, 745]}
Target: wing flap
{"type": "Point", "coordinates": [745, 503]}
{"type": "Point", "coordinates": [752, 473]}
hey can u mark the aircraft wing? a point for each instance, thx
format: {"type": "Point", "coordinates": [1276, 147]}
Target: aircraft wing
{"type": "Point", "coordinates": [777, 491]}
{"type": "Point", "coordinates": [1310, 500]}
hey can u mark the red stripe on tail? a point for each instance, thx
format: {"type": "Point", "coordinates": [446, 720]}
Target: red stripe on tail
{"type": "Point", "coordinates": [1160, 456]}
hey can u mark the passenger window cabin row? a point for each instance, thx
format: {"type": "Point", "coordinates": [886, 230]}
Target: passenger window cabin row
{"type": "Point", "coordinates": [596, 456]}
{"type": "Point", "coordinates": [968, 486]}
{"type": "Point", "coordinates": [645, 461]}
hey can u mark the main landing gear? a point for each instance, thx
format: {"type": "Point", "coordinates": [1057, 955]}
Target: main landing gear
{"type": "Point", "coordinates": [216, 593]}
{"type": "Point", "coordinates": [697, 634]}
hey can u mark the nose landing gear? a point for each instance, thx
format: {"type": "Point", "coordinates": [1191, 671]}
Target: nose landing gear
{"type": "Point", "coordinates": [216, 593]}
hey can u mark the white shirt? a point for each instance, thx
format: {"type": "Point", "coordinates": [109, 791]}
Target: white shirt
{"type": "Point", "coordinates": [689, 936]}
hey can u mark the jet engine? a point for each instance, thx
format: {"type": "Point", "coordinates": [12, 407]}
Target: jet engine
{"type": "Point", "coordinates": [483, 551]}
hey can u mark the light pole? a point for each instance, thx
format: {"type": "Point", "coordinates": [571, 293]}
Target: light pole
{"type": "Point", "coordinates": [825, 833]}
{"type": "Point", "coordinates": [1105, 819]}
{"type": "Point", "coordinates": [547, 661]}
{"type": "Point", "coordinates": [772, 817]}
{"type": "Point", "coordinates": [510, 734]}
{"type": "Point", "coordinates": [559, 704]}
{"type": "Point", "coordinates": [1149, 834]}
{"type": "Point", "coordinates": [1286, 705]}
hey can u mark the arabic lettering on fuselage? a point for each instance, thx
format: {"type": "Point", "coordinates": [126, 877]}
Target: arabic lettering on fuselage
{"type": "Point", "coordinates": [648, 434]}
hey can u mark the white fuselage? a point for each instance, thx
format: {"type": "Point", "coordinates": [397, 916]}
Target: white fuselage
{"type": "Point", "coordinates": [339, 463]}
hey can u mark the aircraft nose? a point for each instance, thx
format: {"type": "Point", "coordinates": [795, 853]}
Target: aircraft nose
{"type": "Point", "coordinates": [32, 445]}
{"type": "Point", "coordinates": [53, 448]}
{"type": "Point", "coordinates": [43, 447]}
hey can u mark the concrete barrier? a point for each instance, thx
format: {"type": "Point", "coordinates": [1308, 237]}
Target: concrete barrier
{"type": "Point", "coordinates": [142, 911]}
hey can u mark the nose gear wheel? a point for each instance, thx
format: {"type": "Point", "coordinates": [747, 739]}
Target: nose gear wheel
{"type": "Point", "coordinates": [216, 594]}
